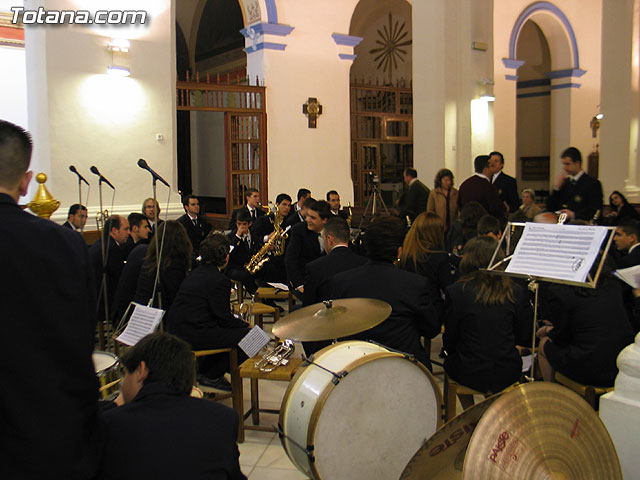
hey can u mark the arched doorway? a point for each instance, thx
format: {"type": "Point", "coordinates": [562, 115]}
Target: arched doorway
{"type": "Point", "coordinates": [533, 110]}
{"type": "Point", "coordinates": [381, 98]}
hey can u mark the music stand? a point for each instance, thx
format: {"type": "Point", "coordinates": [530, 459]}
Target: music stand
{"type": "Point", "coordinates": [551, 275]}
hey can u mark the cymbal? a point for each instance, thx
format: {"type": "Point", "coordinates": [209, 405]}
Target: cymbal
{"type": "Point", "coordinates": [540, 430]}
{"type": "Point", "coordinates": [442, 456]}
{"type": "Point", "coordinates": [333, 319]}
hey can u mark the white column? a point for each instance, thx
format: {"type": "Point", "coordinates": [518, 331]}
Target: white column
{"type": "Point", "coordinates": [620, 410]}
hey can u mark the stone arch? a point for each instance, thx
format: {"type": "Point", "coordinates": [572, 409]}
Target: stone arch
{"type": "Point", "coordinates": [559, 34]}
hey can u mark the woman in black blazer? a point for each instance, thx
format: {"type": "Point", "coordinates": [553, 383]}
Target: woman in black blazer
{"type": "Point", "coordinates": [487, 316]}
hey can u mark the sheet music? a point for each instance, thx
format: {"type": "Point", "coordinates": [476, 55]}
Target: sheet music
{"type": "Point", "coordinates": [630, 275]}
{"type": "Point", "coordinates": [254, 341]}
{"type": "Point", "coordinates": [279, 286]}
{"type": "Point", "coordinates": [563, 252]}
{"type": "Point", "coordinates": [144, 320]}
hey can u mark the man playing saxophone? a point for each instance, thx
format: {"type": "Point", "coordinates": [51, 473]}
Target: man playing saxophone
{"type": "Point", "coordinates": [244, 247]}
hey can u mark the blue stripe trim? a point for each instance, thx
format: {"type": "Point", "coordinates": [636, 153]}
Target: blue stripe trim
{"type": "Point", "coordinates": [511, 77]}
{"type": "Point", "coordinates": [542, 82]}
{"type": "Point", "coordinates": [266, 46]}
{"type": "Point", "coordinates": [348, 40]}
{"type": "Point", "coordinates": [347, 56]}
{"type": "Point", "coordinates": [272, 11]}
{"type": "Point", "coordinates": [544, 7]}
{"type": "Point", "coordinates": [569, 72]}
{"type": "Point", "coordinates": [268, 29]}
{"type": "Point", "coordinates": [565, 85]}
{"type": "Point", "coordinates": [512, 63]}
{"type": "Point", "coordinates": [534, 94]}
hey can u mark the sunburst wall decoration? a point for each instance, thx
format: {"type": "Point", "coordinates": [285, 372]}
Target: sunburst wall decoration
{"type": "Point", "coordinates": [391, 41]}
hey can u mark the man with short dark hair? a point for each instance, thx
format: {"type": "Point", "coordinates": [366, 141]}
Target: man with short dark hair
{"type": "Point", "coordinates": [339, 258]}
{"type": "Point", "coordinates": [491, 226]}
{"type": "Point", "coordinates": [138, 232]}
{"type": "Point", "coordinates": [414, 201]}
{"type": "Point", "coordinates": [333, 198]}
{"type": "Point", "coordinates": [303, 194]}
{"type": "Point", "coordinates": [251, 205]}
{"type": "Point", "coordinates": [262, 230]}
{"type": "Point", "coordinates": [627, 240]}
{"type": "Point", "coordinates": [301, 214]}
{"type": "Point", "coordinates": [575, 193]}
{"type": "Point", "coordinates": [244, 247]}
{"type": "Point", "coordinates": [161, 431]}
{"type": "Point", "coordinates": [76, 218]}
{"type": "Point", "coordinates": [478, 188]}
{"type": "Point", "coordinates": [47, 327]}
{"type": "Point", "coordinates": [197, 228]}
{"type": "Point", "coordinates": [114, 236]}
{"type": "Point", "coordinates": [506, 185]}
{"type": "Point", "coordinates": [305, 242]}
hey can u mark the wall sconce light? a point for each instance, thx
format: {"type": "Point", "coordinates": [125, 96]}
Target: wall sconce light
{"type": "Point", "coordinates": [594, 124]}
{"type": "Point", "coordinates": [119, 48]}
{"type": "Point", "coordinates": [486, 90]}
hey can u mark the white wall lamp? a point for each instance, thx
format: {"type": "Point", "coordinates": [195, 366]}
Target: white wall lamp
{"type": "Point", "coordinates": [486, 89]}
{"type": "Point", "coordinates": [119, 48]}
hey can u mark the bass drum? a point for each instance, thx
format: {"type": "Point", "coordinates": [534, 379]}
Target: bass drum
{"type": "Point", "coordinates": [365, 425]}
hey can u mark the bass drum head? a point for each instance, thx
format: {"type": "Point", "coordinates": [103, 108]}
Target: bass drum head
{"type": "Point", "coordinates": [375, 419]}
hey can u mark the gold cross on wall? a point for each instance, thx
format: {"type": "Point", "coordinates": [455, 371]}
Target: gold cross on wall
{"type": "Point", "coordinates": [312, 109]}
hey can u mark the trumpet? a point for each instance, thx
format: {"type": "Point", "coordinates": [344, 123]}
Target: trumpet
{"type": "Point", "coordinates": [278, 355]}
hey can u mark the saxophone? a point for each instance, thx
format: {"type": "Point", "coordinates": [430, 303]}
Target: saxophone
{"type": "Point", "coordinates": [276, 244]}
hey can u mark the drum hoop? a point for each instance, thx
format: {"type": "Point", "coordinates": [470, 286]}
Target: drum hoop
{"type": "Point", "coordinates": [322, 398]}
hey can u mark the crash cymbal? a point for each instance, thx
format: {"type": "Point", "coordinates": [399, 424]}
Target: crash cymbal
{"type": "Point", "coordinates": [540, 430]}
{"type": "Point", "coordinates": [442, 456]}
{"type": "Point", "coordinates": [333, 319]}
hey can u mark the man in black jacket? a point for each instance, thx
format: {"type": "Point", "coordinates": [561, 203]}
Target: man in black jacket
{"type": "Point", "coordinates": [305, 242]}
{"type": "Point", "coordinates": [478, 188]}
{"type": "Point", "coordinates": [506, 185]}
{"type": "Point", "coordinates": [252, 205]}
{"type": "Point", "coordinates": [197, 228]}
{"type": "Point", "coordinates": [414, 200]}
{"type": "Point", "coordinates": [76, 218]}
{"type": "Point", "coordinates": [47, 304]}
{"type": "Point", "coordinates": [244, 246]}
{"type": "Point", "coordinates": [575, 193]}
{"type": "Point", "coordinates": [161, 431]}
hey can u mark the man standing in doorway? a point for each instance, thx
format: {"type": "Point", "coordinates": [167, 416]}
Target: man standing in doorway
{"type": "Point", "coordinates": [507, 186]}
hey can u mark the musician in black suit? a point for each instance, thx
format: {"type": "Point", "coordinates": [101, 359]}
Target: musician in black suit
{"type": "Point", "coordinates": [627, 240]}
{"type": "Point", "coordinates": [575, 193]}
{"type": "Point", "coordinates": [252, 205]}
{"type": "Point", "coordinates": [305, 242]}
{"type": "Point", "coordinates": [197, 228]}
{"type": "Point", "coordinates": [478, 188]}
{"type": "Point", "coordinates": [114, 236]}
{"type": "Point", "coordinates": [273, 270]}
{"type": "Point", "coordinates": [153, 216]}
{"type": "Point", "coordinates": [333, 198]}
{"type": "Point", "coordinates": [76, 218]}
{"type": "Point", "coordinates": [320, 272]}
{"type": "Point", "coordinates": [507, 186]}
{"type": "Point", "coordinates": [244, 246]}
{"type": "Point", "coordinates": [300, 215]}
{"type": "Point", "coordinates": [412, 309]}
{"type": "Point", "coordinates": [201, 312]}
{"type": "Point", "coordinates": [302, 195]}
{"type": "Point", "coordinates": [161, 431]}
{"type": "Point", "coordinates": [138, 232]}
{"type": "Point", "coordinates": [414, 200]}
{"type": "Point", "coordinates": [47, 312]}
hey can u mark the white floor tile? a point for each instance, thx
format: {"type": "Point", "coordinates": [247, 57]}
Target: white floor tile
{"type": "Point", "coordinates": [275, 457]}
{"type": "Point", "coordinates": [260, 473]}
{"type": "Point", "coordinates": [250, 453]}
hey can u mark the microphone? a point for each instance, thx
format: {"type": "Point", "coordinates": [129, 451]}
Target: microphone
{"type": "Point", "coordinates": [142, 163]}
{"type": "Point", "coordinates": [73, 169]}
{"type": "Point", "coordinates": [95, 170]}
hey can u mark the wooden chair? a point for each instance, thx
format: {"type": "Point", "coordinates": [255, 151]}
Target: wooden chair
{"type": "Point", "coordinates": [236, 381]}
{"type": "Point", "coordinates": [590, 393]}
{"type": "Point", "coordinates": [260, 309]}
{"type": "Point", "coordinates": [248, 369]}
{"type": "Point", "coordinates": [272, 293]}
{"type": "Point", "coordinates": [453, 390]}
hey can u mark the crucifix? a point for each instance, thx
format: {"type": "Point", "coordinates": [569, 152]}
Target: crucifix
{"type": "Point", "coordinates": [312, 109]}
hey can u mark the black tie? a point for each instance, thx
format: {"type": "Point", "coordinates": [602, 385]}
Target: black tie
{"type": "Point", "coordinates": [195, 222]}
{"type": "Point", "coordinates": [253, 214]}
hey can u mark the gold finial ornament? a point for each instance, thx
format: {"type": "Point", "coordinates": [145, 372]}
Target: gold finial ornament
{"type": "Point", "coordinates": [43, 203]}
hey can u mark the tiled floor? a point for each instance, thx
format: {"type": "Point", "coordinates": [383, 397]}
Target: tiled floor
{"type": "Point", "coordinates": [262, 456]}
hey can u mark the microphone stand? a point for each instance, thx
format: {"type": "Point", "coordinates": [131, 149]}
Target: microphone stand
{"type": "Point", "coordinates": [105, 255]}
{"type": "Point", "coordinates": [156, 282]}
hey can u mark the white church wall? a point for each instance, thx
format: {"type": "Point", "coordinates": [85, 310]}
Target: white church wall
{"type": "Point", "coordinates": [80, 115]}
{"type": "Point", "coordinates": [309, 66]}
{"type": "Point", "coordinates": [13, 86]}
